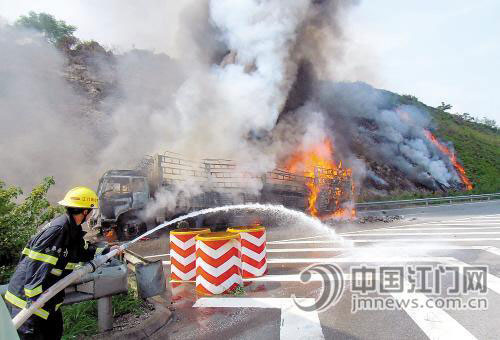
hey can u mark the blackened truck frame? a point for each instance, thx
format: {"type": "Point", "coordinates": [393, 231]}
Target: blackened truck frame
{"type": "Point", "coordinates": [219, 182]}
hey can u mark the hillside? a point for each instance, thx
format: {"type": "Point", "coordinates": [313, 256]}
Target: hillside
{"type": "Point", "coordinates": [141, 102]}
{"type": "Point", "coordinates": [477, 146]}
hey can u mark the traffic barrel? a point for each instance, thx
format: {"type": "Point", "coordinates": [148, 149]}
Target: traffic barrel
{"type": "Point", "coordinates": [218, 263]}
{"type": "Point", "coordinates": [182, 253]}
{"type": "Point", "coordinates": [253, 250]}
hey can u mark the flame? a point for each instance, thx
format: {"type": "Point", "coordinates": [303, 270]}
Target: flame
{"type": "Point", "coordinates": [453, 158]}
{"type": "Point", "coordinates": [317, 164]}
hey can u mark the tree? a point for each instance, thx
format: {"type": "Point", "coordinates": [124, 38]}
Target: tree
{"type": "Point", "coordinates": [444, 107]}
{"type": "Point", "coordinates": [467, 117]}
{"type": "Point", "coordinates": [19, 221]}
{"type": "Point", "coordinates": [410, 97]}
{"type": "Point", "coordinates": [56, 31]}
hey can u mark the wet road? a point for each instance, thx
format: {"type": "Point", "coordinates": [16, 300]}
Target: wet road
{"type": "Point", "coordinates": [446, 239]}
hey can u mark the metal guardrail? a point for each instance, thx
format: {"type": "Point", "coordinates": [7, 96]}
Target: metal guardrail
{"type": "Point", "coordinates": [105, 282]}
{"type": "Point", "coordinates": [424, 201]}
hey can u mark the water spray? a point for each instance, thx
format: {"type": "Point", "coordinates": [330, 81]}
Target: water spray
{"type": "Point", "coordinates": [91, 266]}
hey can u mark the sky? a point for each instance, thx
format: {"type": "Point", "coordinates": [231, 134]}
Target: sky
{"type": "Point", "coordinates": [439, 51]}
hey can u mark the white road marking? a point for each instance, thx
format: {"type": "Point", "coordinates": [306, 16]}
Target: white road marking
{"type": "Point", "coordinates": [465, 224]}
{"type": "Point", "coordinates": [305, 238]}
{"type": "Point", "coordinates": [289, 278]}
{"type": "Point", "coordinates": [390, 240]}
{"type": "Point", "coordinates": [296, 278]}
{"type": "Point", "coordinates": [434, 322]}
{"type": "Point", "coordinates": [295, 323]}
{"type": "Point", "coordinates": [440, 228]}
{"type": "Point", "coordinates": [383, 234]}
{"type": "Point", "coordinates": [354, 249]}
{"type": "Point", "coordinates": [402, 259]}
{"type": "Point", "coordinates": [153, 256]}
{"type": "Point", "coordinates": [462, 219]}
{"type": "Point", "coordinates": [471, 222]}
{"type": "Point", "coordinates": [493, 250]}
{"type": "Point", "coordinates": [490, 249]}
{"type": "Point", "coordinates": [443, 222]}
{"type": "Point", "coordinates": [403, 226]}
{"type": "Point", "coordinates": [493, 282]}
{"type": "Point", "coordinates": [361, 231]}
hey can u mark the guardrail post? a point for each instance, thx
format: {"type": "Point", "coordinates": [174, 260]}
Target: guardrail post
{"type": "Point", "coordinates": [105, 313]}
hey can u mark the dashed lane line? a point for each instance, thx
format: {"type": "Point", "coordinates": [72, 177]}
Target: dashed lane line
{"type": "Point", "coordinates": [492, 281]}
{"type": "Point", "coordinates": [434, 322]}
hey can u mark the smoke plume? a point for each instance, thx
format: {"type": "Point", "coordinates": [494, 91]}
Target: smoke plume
{"type": "Point", "coordinates": [252, 81]}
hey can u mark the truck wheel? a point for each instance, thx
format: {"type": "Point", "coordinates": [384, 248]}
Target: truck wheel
{"type": "Point", "coordinates": [130, 229]}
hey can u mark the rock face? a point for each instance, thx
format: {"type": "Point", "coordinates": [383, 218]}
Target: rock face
{"type": "Point", "coordinates": [90, 69]}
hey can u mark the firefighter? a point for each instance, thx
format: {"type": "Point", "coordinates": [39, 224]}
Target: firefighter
{"type": "Point", "coordinates": [50, 255]}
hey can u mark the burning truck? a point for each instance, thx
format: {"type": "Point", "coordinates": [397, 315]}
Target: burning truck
{"type": "Point", "coordinates": [309, 181]}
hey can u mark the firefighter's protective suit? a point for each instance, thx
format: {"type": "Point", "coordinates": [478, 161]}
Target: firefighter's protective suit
{"type": "Point", "coordinates": [49, 256]}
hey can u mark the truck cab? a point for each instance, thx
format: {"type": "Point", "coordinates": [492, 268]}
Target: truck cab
{"type": "Point", "coordinates": [123, 194]}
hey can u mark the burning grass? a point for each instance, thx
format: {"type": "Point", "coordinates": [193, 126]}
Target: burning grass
{"type": "Point", "coordinates": [453, 159]}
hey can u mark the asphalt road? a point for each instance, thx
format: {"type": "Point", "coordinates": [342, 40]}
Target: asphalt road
{"type": "Point", "coordinates": [446, 239]}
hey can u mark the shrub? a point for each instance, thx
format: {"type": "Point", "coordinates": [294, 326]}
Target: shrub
{"type": "Point", "coordinates": [19, 221]}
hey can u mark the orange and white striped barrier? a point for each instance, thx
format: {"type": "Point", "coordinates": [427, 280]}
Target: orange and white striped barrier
{"type": "Point", "coordinates": [182, 253]}
{"type": "Point", "coordinates": [253, 250]}
{"type": "Point", "coordinates": [218, 263]}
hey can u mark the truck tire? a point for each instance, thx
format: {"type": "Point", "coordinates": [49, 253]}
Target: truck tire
{"type": "Point", "coordinates": [130, 228]}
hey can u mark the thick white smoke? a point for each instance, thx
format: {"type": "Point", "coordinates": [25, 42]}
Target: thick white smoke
{"type": "Point", "coordinates": [389, 131]}
{"type": "Point", "coordinates": [44, 129]}
{"type": "Point", "coordinates": [235, 90]}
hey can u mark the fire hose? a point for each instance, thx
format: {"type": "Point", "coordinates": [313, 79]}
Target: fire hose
{"type": "Point", "coordinates": [89, 267]}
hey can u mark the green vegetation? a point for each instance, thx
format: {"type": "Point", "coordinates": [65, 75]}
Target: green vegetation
{"type": "Point", "coordinates": [80, 319]}
{"type": "Point", "coordinates": [477, 146]}
{"type": "Point", "coordinates": [19, 221]}
{"type": "Point", "coordinates": [56, 31]}
{"type": "Point", "coordinates": [237, 291]}
{"type": "Point", "coordinates": [476, 142]}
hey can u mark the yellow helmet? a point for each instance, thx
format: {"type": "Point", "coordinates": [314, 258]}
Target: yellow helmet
{"type": "Point", "coordinates": [80, 197]}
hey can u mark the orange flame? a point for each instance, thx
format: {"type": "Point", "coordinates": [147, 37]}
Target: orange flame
{"type": "Point", "coordinates": [317, 164]}
{"type": "Point", "coordinates": [453, 158]}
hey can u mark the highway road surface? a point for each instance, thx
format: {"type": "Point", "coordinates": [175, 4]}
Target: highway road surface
{"type": "Point", "coordinates": [437, 248]}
